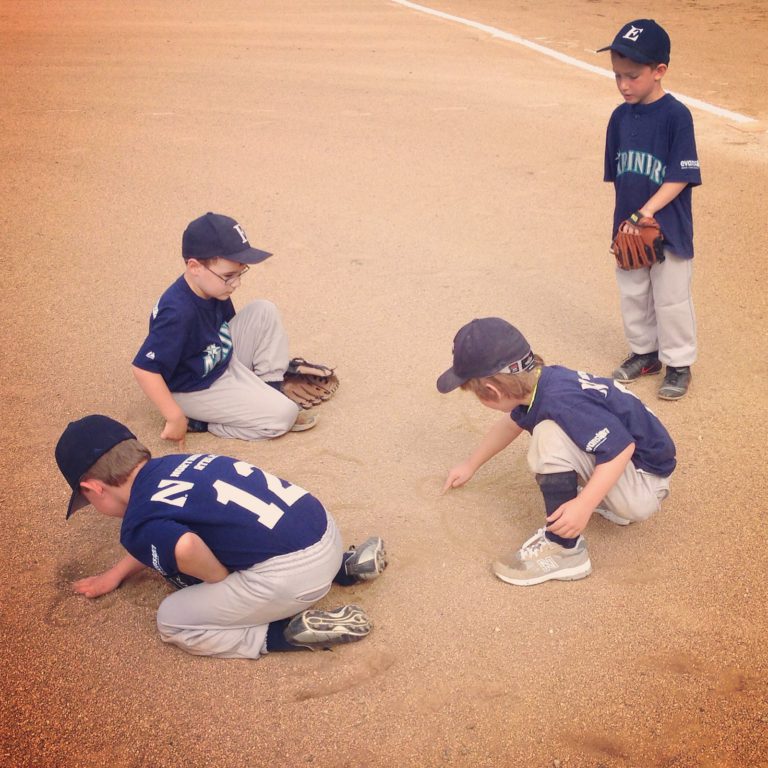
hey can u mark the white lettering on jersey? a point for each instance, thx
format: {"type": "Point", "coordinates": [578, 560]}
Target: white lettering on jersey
{"type": "Point", "coordinates": [171, 490]}
{"type": "Point", "coordinates": [150, 355]}
{"type": "Point", "coordinates": [204, 462]}
{"type": "Point", "coordinates": [156, 561]}
{"type": "Point", "coordinates": [184, 464]}
{"type": "Point", "coordinates": [586, 384]}
{"type": "Point", "coordinates": [267, 513]}
{"type": "Point", "coordinates": [289, 495]}
{"type": "Point", "coordinates": [599, 438]}
{"type": "Point", "coordinates": [155, 310]}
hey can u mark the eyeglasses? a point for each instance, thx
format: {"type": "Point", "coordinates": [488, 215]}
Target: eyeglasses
{"type": "Point", "coordinates": [228, 280]}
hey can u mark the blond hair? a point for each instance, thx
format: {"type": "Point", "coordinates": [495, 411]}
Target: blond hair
{"type": "Point", "coordinates": [115, 466]}
{"type": "Point", "coordinates": [514, 385]}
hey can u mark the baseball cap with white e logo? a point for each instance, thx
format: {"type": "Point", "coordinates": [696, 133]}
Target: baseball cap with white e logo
{"type": "Point", "coordinates": [215, 235]}
{"type": "Point", "coordinates": [642, 40]}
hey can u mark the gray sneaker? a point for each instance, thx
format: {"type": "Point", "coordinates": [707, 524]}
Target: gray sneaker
{"type": "Point", "coordinates": [635, 366]}
{"type": "Point", "coordinates": [320, 629]}
{"type": "Point", "coordinates": [540, 559]}
{"type": "Point", "coordinates": [612, 516]}
{"type": "Point", "coordinates": [676, 383]}
{"type": "Point", "coordinates": [367, 561]}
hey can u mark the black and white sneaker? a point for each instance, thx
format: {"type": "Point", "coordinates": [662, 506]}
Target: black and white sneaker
{"type": "Point", "coordinates": [320, 629]}
{"type": "Point", "coordinates": [676, 383]}
{"type": "Point", "coordinates": [636, 366]}
{"type": "Point", "coordinates": [367, 561]}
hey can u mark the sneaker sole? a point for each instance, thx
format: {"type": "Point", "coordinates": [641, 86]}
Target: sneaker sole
{"type": "Point", "coordinates": [675, 396]}
{"type": "Point", "coordinates": [344, 625]}
{"type": "Point", "coordinates": [622, 380]}
{"type": "Point", "coordinates": [567, 574]}
{"type": "Point", "coordinates": [308, 424]}
{"type": "Point", "coordinates": [612, 517]}
{"type": "Point", "coordinates": [377, 564]}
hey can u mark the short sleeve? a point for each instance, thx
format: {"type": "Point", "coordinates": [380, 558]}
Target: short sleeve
{"type": "Point", "coordinates": [683, 160]}
{"type": "Point", "coordinates": [154, 543]}
{"type": "Point", "coordinates": [162, 349]}
{"type": "Point", "coordinates": [595, 430]}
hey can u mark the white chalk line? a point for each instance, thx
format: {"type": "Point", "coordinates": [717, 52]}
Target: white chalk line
{"type": "Point", "coordinates": [509, 37]}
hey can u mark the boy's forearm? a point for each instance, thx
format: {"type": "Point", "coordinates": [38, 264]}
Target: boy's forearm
{"type": "Point", "coordinates": [498, 437]}
{"type": "Point", "coordinates": [154, 387]}
{"type": "Point", "coordinates": [194, 558]}
{"type": "Point", "coordinates": [663, 196]}
{"type": "Point", "coordinates": [605, 477]}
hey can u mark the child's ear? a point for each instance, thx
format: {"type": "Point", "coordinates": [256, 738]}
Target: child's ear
{"type": "Point", "coordinates": [660, 71]}
{"type": "Point", "coordinates": [495, 390]}
{"type": "Point", "coordinates": [95, 486]}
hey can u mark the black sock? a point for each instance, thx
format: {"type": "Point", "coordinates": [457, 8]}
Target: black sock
{"type": "Point", "coordinates": [276, 638]}
{"type": "Point", "coordinates": [557, 488]}
{"type": "Point", "coordinates": [342, 578]}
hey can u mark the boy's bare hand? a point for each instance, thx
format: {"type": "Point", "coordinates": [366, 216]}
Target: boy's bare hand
{"type": "Point", "coordinates": [95, 586]}
{"type": "Point", "coordinates": [176, 430]}
{"type": "Point", "coordinates": [457, 476]}
{"type": "Point", "coordinates": [569, 519]}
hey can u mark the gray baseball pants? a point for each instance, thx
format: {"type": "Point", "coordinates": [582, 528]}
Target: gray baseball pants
{"type": "Point", "coordinates": [635, 496]}
{"type": "Point", "coordinates": [229, 619]}
{"type": "Point", "coordinates": [657, 309]}
{"type": "Point", "coordinates": [240, 404]}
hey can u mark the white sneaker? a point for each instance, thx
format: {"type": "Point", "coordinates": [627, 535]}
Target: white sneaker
{"type": "Point", "coordinates": [320, 629]}
{"type": "Point", "coordinates": [540, 559]}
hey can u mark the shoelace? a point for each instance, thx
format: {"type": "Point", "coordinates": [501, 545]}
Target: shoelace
{"type": "Point", "coordinates": [533, 546]}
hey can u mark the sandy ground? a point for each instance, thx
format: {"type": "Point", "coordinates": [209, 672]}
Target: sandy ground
{"type": "Point", "coordinates": [409, 174]}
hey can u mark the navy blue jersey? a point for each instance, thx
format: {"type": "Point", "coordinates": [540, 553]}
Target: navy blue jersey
{"type": "Point", "coordinates": [646, 145]}
{"type": "Point", "coordinates": [243, 514]}
{"type": "Point", "coordinates": [601, 417]}
{"type": "Point", "coordinates": [189, 342]}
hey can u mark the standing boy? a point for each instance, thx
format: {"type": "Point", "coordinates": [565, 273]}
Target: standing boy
{"type": "Point", "coordinates": [250, 552]}
{"type": "Point", "coordinates": [205, 367]}
{"type": "Point", "coordinates": [650, 156]}
{"type": "Point", "coordinates": [584, 429]}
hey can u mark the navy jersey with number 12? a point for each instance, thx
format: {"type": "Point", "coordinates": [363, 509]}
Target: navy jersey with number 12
{"type": "Point", "coordinates": [243, 514]}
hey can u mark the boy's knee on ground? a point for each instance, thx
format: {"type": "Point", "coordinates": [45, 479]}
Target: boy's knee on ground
{"type": "Point", "coordinates": [167, 621]}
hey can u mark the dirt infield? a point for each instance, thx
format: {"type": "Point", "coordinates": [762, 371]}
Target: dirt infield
{"type": "Point", "coordinates": [409, 173]}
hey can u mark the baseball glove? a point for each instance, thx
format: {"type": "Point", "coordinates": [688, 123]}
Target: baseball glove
{"type": "Point", "coordinates": [309, 384]}
{"type": "Point", "coordinates": [641, 250]}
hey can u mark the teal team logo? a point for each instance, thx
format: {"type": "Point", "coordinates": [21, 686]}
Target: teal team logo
{"type": "Point", "coordinates": [216, 353]}
{"type": "Point", "coordinates": [642, 163]}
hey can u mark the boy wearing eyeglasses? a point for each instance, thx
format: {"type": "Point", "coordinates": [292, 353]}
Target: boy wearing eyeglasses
{"type": "Point", "coordinates": [206, 367]}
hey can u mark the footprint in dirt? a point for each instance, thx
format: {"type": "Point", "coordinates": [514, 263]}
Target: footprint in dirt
{"type": "Point", "coordinates": [341, 678]}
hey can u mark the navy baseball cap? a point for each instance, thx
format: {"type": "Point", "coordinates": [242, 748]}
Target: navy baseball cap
{"type": "Point", "coordinates": [642, 40]}
{"type": "Point", "coordinates": [484, 347]}
{"type": "Point", "coordinates": [81, 445]}
{"type": "Point", "coordinates": [215, 235]}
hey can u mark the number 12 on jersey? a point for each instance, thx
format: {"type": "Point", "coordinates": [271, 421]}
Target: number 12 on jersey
{"type": "Point", "coordinates": [267, 513]}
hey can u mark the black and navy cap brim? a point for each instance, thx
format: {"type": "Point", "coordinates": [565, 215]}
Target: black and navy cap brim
{"type": "Point", "coordinates": [629, 52]}
{"type": "Point", "coordinates": [249, 256]}
{"type": "Point", "coordinates": [449, 381]}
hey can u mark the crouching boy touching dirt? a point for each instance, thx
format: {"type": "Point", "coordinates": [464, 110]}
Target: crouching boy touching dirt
{"type": "Point", "coordinates": [584, 430]}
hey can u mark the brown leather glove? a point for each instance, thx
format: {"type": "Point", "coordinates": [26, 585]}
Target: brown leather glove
{"type": "Point", "coordinates": [640, 250]}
